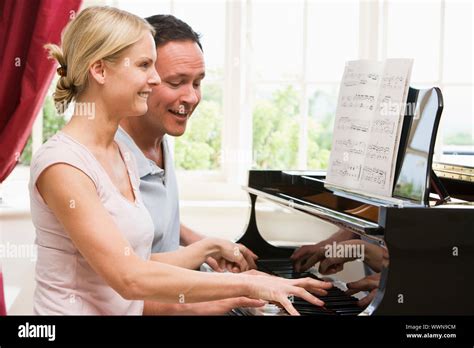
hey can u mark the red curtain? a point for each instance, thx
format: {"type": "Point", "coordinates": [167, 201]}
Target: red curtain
{"type": "Point", "coordinates": [25, 71]}
{"type": "Point", "coordinates": [3, 306]}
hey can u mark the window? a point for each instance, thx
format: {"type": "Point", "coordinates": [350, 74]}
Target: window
{"type": "Point", "coordinates": [440, 40]}
{"type": "Point", "coordinates": [298, 58]}
{"type": "Point", "coordinates": [273, 72]}
{"type": "Point", "coordinates": [200, 146]}
{"type": "Point", "coordinates": [458, 119]}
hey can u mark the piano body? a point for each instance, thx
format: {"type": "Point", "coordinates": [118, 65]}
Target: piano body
{"type": "Point", "coordinates": [428, 234]}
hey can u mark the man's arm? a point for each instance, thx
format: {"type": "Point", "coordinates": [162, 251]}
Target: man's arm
{"type": "Point", "coordinates": [194, 255]}
{"type": "Point", "coordinates": [187, 236]}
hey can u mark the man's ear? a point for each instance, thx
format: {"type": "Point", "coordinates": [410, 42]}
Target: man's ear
{"type": "Point", "coordinates": [97, 70]}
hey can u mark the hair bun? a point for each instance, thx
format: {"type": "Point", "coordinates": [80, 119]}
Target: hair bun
{"type": "Point", "coordinates": [62, 71]}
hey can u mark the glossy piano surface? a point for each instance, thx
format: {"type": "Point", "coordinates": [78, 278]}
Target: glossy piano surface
{"type": "Point", "coordinates": [426, 245]}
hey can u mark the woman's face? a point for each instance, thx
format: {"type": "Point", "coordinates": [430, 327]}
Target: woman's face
{"type": "Point", "coordinates": [129, 80]}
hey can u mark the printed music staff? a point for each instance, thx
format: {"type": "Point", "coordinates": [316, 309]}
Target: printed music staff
{"type": "Point", "coordinates": [369, 117]}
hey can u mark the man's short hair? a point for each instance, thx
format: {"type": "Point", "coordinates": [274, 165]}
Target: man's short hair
{"type": "Point", "coordinates": [169, 28]}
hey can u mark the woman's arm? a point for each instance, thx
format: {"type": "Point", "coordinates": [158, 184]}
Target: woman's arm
{"type": "Point", "coordinates": [220, 307]}
{"type": "Point", "coordinates": [98, 239]}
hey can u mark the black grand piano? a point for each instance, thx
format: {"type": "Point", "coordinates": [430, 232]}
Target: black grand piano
{"type": "Point", "coordinates": [427, 227]}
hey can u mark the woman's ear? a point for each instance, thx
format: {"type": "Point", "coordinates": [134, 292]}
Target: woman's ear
{"type": "Point", "coordinates": [97, 70]}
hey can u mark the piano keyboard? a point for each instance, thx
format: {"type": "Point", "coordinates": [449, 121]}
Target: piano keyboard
{"type": "Point", "coordinates": [336, 301]}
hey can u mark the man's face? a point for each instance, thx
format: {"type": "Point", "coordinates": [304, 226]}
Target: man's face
{"type": "Point", "coordinates": [180, 65]}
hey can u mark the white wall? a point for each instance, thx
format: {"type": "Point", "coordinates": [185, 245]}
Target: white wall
{"type": "Point", "coordinates": [17, 253]}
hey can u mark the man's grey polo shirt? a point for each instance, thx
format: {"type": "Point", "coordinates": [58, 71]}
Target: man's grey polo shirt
{"type": "Point", "coordinates": [159, 192]}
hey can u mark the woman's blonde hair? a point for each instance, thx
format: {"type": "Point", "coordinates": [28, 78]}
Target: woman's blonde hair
{"type": "Point", "coordinates": [98, 32]}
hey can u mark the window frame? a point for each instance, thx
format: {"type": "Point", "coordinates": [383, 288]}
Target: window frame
{"type": "Point", "coordinates": [238, 85]}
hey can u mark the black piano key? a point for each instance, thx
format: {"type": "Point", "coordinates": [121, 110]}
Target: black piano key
{"type": "Point", "coordinates": [294, 274]}
{"type": "Point", "coordinates": [310, 308]}
{"type": "Point", "coordinates": [340, 301]}
{"type": "Point", "coordinates": [275, 261]}
{"type": "Point", "coordinates": [336, 295]}
{"type": "Point", "coordinates": [309, 311]}
{"type": "Point", "coordinates": [298, 302]}
{"type": "Point", "coordinates": [342, 305]}
{"type": "Point", "coordinates": [333, 294]}
{"type": "Point", "coordinates": [334, 303]}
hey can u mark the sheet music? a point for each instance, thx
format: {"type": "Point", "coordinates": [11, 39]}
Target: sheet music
{"type": "Point", "coordinates": [369, 118]}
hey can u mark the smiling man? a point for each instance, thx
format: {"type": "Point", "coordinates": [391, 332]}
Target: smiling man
{"type": "Point", "coordinates": [180, 64]}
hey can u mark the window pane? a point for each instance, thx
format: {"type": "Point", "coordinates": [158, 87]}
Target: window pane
{"type": "Point", "coordinates": [52, 123]}
{"type": "Point", "coordinates": [275, 126]}
{"type": "Point", "coordinates": [333, 38]}
{"type": "Point", "coordinates": [196, 14]}
{"type": "Point", "coordinates": [277, 39]}
{"type": "Point", "coordinates": [144, 8]}
{"type": "Point", "coordinates": [457, 119]}
{"type": "Point", "coordinates": [321, 111]}
{"type": "Point", "coordinates": [200, 146]}
{"type": "Point", "coordinates": [413, 31]}
{"type": "Point", "coordinates": [458, 42]}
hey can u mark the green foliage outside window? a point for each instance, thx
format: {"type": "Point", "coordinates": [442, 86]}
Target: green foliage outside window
{"type": "Point", "coordinates": [275, 132]}
{"type": "Point", "coordinates": [460, 138]}
{"type": "Point", "coordinates": [320, 129]}
{"type": "Point", "coordinates": [199, 148]}
{"type": "Point", "coordinates": [52, 122]}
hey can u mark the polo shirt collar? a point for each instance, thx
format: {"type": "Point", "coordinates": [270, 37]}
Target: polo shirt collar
{"type": "Point", "coordinates": [145, 165]}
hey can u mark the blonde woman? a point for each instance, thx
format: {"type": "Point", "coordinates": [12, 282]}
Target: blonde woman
{"type": "Point", "coordinates": [94, 234]}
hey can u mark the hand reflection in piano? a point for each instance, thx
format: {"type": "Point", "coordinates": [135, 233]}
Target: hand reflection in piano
{"type": "Point", "coordinates": [308, 255]}
{"type": "Point", "coordinates": [369, 283]}
{"type": "Point", "coordinates": [331, 262]}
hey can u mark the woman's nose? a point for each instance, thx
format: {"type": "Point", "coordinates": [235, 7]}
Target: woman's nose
{"type": "Point", "coordinates": [155, 78]}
